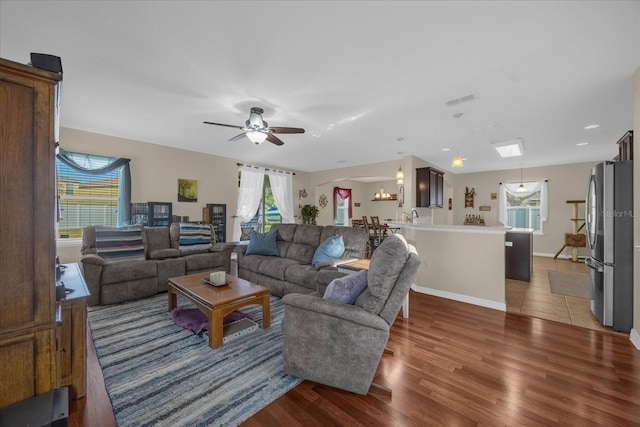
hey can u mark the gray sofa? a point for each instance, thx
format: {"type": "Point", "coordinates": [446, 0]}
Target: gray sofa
{"type": "Point", "coordinates": [292, 270]}
{"type": "Point", "coordinates": [114, 281]}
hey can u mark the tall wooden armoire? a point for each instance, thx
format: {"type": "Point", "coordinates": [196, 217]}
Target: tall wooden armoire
{"type": "Point", "coordinates": [29, 316]}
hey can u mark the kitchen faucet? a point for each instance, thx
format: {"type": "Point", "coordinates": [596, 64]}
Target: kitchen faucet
{"type": "Point", "coordinates": [413, 220]}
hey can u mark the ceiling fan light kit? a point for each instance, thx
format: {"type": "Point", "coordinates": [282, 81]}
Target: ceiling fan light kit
{"type": "Point", "coordinates": [256, 136]}
{"type": "Point", "coordinates": [257, 130]}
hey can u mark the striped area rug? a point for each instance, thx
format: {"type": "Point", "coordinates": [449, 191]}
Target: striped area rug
{"type": "Point", "coordinates": [159, 374]}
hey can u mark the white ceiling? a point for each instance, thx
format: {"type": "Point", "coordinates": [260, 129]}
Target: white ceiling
{"type": "Point", "coordinates": [367, 80]}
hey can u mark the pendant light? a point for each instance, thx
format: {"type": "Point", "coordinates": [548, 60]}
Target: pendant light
{"type": "Point", "coordinates": [521, 188]}
{"type": "Point", "coordinates": [457, 161]}
{"type": "Point", "coordinates": [400, 176]}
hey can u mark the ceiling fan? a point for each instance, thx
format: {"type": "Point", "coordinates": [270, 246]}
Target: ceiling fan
{"type": "Point", "coordinates": [257, 130]}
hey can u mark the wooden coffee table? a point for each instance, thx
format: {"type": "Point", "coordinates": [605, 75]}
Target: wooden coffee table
{"type": "Point", "coordinates": [218, 301]}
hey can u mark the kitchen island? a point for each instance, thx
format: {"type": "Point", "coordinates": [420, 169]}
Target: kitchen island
{"type": "Point", "coordinates": [460, 262]}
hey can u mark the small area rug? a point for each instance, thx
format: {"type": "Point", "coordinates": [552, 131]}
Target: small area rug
{"type": "Point", "coordinates": [160, 374]}
{"type": "Point", "coordinates": [197, 321]}
{"type": "Point", "coordinates": [571, 284]}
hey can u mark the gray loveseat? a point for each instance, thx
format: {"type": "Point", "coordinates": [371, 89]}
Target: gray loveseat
{"type": "Point", "coordinates": [113, 281]}
{"type": "Point", "coordinates": [292, 270]}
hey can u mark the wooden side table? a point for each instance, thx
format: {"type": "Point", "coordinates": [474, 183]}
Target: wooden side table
{"type": "Point", "coordinates": [73, 334]}
{"type": "Point", "coordinates": [363, 264]}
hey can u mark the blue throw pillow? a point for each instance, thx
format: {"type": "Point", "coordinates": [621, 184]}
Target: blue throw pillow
{"type": "Point", "coordinates": [332, 248]}
{"type": "Point", "coordinates": [347, 289]}
{"type": "Point", "coordinates": [263, 243]}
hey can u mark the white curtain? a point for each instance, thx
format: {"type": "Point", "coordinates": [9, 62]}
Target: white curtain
{"type": "Point", "coordinates": [282, 190]}
{"type": "Point", "coordinates": [251, 182]}
{"type": "Point", "coordinates": [531, 187]}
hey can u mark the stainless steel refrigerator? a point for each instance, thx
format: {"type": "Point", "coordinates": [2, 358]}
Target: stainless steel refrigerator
{"type": "Point", "coordinates": [609, 223]}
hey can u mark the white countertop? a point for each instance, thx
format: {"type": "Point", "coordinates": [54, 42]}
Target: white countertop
{"type": "Point", "coordinates": [452, 228]}
{"type": "Point", "coordinates": [520, 230]}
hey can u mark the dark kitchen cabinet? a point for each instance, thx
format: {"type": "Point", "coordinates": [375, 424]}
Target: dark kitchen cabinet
{"type": "Point", "coordinates": [518, 260]}
{"type": "Point", "coordinates": [429, 188]}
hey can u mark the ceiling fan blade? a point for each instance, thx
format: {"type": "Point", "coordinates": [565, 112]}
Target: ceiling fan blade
{"type": "Point", "coordinates": [238, 137]}
{"type": "Point", "coordinates": [222, 124]}
{"type": "Point", "coordinates": [286, 130]}
{"type": "Point", "coordinates": [272, 138]}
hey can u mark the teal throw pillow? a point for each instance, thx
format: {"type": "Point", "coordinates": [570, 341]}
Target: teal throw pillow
{"type": "Point", "coordinates": [332, 248]}
{"type": "Point", "coordinates": [263, 243]}
{"type": "Point", "coordinates": [347, 289]}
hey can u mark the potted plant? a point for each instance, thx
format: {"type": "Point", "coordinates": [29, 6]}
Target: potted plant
{"type": "Point", "coordinates": [309, 214]}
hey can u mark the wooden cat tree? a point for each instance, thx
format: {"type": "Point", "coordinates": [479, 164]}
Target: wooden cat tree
{"type": "Point", "coordinates": [576, 239]}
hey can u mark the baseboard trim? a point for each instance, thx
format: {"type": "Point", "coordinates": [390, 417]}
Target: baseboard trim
{"type": "Point", "coordinates": [561, 256]}
{"type": "Point", "coordinates": [494, 305]}
{"type": "Point", "coordinates": [546, 255]}
{"type": "Point", "coordinates": [634, 336]}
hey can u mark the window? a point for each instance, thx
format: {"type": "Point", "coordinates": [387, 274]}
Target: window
{"type": "Point", "coordinates": [267, 213]}
{"type": "Point", "coordinates": [342, 211]}
{"type": "Point", "coordinates": [92, 190]}
{"type": "Point", "coordinates": [342, 206]}
{"type": "Point", "coordinates": [524, 209]}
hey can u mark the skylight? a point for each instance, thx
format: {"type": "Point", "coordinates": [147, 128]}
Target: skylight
{"type": "Point", "coordinates": [510, 148]}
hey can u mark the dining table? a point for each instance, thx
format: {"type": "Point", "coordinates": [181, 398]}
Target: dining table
{"type": "Point", "coordinates": [385, 228]}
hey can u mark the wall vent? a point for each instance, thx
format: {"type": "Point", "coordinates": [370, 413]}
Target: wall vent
{"type": "Point", "coordinates": [460, 100]}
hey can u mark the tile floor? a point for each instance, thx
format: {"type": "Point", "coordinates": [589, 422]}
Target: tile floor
{"type": "Point", "coordinates": [535, 298]}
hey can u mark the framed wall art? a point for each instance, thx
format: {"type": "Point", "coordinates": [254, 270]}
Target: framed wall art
{"type": "Point", "coordinates": [187, 190]}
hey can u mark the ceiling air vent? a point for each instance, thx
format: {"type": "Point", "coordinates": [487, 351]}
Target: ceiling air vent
{"type": "Point", "coordinates": [460, 100]}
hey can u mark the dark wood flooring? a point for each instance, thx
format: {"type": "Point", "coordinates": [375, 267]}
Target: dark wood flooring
{"type": "Point", "coordinates": [457, 364]}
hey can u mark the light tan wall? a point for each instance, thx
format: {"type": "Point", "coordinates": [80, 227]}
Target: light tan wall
{"type": "Point", "coordinates": [155, 170]}
{"type": "Point", "coordinates": [461, 265]}
{"type": "Point", "coordinates": [566, 182]}
{"type": "Point", "coordinates": [323, 182]}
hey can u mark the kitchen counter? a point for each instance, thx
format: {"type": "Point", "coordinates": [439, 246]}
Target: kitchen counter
{"type": "Point", "coordinates": [460, 262]}
{"type": "Point", "coordinates": [452, 228]}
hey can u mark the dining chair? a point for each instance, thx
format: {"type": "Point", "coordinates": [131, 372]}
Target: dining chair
{"type": "Point", "coordinates": [374, 237]}
{"type": "Point", "coordinates": [375, 221]}
{"type": "Point", "coordinates": [356, 223]}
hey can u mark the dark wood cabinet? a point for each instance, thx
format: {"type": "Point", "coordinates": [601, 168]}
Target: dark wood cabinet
{"type": "Point", "coordinates": [73, 336]}
{"type": "Point", "coordinates": [429, 188]}
{"type": "Point", "coordinates": [160, 214]}
{"type": "Point", "coordinates": [152, 214]}
{"type": "Point", "coordinates": [625, 147]}
{"type": "Point", "coordinates": [216, 214]}
{"type": "Point", "coordinates": [29, 315]}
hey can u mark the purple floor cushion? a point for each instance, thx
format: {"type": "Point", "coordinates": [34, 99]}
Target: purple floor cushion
{"type": "Point", "coordinates": [194, 319]}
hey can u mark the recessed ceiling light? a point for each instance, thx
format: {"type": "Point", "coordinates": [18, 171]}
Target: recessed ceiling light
{"type": "Point", "coordinates": [510, 148]}
{"type": "Point", "coordinates": [580, 144]}
{"type": "Point", "coordinates": [592, 126]}
{"type": "Point", "coordinates": [446, 149]}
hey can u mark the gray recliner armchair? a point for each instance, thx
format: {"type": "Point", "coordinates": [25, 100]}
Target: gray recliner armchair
{"type": "Point", "coordinates": [338, 344]}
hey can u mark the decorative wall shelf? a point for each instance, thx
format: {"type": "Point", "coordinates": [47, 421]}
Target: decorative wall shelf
{"type": "Point", "coordinates": [393, 198]}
